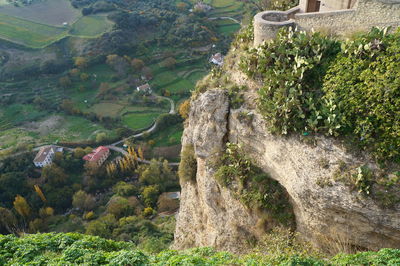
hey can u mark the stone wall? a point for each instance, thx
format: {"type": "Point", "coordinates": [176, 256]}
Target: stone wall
{"type": "Point", "coordinates": [364, 15]}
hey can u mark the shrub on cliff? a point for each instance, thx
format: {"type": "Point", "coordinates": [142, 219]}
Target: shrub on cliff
{"type": "Point", "coordinates": [292, 68]}
{"type": "Point", "coordinates": [188, 164]}
{"type": "Point", "coordinates": [254, 187]}
{"type": "Point", "coordinates": [312, 85]}
{"type": "Point", "coordinates": [364, 85]}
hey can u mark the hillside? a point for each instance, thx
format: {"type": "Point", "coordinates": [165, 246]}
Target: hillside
{"type": "Point", "coordinates": [61, 249]}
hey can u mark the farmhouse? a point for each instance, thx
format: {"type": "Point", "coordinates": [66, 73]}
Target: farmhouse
{"type": "Point", "coordinates": [333, 16]}
{"type": "Point", "coordinates": [217, 59]}
{"type": "Point", "coordinates": [200, 6]}
{"type": "Point", "coordinates": [97, 156]}
{"type": "Point", "coordinates": [144, 88]}
{"type": "Point", "coordinates": [45, 155]}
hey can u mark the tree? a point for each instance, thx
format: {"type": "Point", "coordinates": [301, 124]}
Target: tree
{"type": "Point", "coordinates": [118, 63]}
{"type": "Point", "coordinates": [102, 227]}
{"type": "Point", "coordinates": [137, 64]}
{"type": "Point", "coordinates": [65, 82]}
{"type": "Point", "coordinates": [84, 76]}
{"type": "Point", "coordinates": [100, 137]}
{"type": "Point", "coordinates": [21, 206]}
{"type": "Point", "coordinates": [184, 109]}
{"type": "Point", "coordinates": [8, 220]}
{"type": "Point", "coordinates": [46, 212]}
{"type": "Point", "coordinates": [150, 195]}
{"type": "Point", "coordinates": [40, 193]}
{"type": "Point", "coordinates": [170, 63]}
{"type": "Point", "coordinates": [68, 106]}
{"type": "Point", "coordinates": [80, 62]}
{"type": "Point", "coordinates": [119, 206]}
{"type": "Point", "coordinates": [124, 189]}
{"type": "Point", "coordinates": [83, 201]}
{"type": "Point", "coordinates": [54, 175]}
{"type": "Point", "coordinates": [79, 153]}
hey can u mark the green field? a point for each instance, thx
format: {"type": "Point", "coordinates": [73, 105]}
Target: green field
{"type": "Point", "coordinates": [107, 109]}
{"type": "Point", "coordinates": [228, 29]}
{"type": "Point", "coordinates": [91, 26]}
{"type": "Point", "coordinates": [19, 113]}
{"type": "Point", "coordinates": [49, 12]}
{"type": "Point", "coordinates": [69, 128]}
{"type": "Point", "coordinates": [139, 120]}
{"type": "Point", "coordinates": [29, 33]}
{"type": "Point", "coordinates": [41, 24]}
{"type": "Point", "coordinates": [168, 137]}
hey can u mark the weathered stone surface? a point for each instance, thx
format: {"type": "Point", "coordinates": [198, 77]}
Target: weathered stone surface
{"type": "Point", "coordinates": [364, 15]}
{"type": "Point", "coordinates": [210, 216]}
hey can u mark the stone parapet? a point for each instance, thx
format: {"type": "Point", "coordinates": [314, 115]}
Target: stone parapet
{"type": "Point", "coordinates": [365, 15]}
{"type": "Point", "coordinates": [268, 23]}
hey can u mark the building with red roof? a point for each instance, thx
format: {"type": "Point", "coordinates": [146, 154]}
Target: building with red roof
{"type": "Point", "coordinates": [97, 156]}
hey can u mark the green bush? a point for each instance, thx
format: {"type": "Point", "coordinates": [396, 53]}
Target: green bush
{"type": "Point", "coordinates": [254, 187]}
{"type": "Point", "coordinates": [292, 68]}
{"type": "Point", "coordinates": [74, 249]}
{"type": "Point", "coordinates": [188, 164]}
{"type": "Point", "coordinates": [314, 84]}
{"type": "Point", "coordinates": [363, 86]}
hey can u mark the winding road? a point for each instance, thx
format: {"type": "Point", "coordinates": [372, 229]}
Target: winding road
{"type": "Point", "coordinates": [230, 18]}
{"type": "Point", "coordinates": [150, 130]}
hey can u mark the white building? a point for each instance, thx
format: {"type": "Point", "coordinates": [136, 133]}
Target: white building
{"type": "Point", "coordinates": [217, 59]}
{"type": "Point", "coordinates": [45, 156]}
{"type": "Point", "coordinates": [144, 88]}
{"type": "Point", "coordinates": [202, 7]}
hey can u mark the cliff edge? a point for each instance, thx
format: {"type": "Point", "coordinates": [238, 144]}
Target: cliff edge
{"type": "Point", "coordinates": [326, 210]}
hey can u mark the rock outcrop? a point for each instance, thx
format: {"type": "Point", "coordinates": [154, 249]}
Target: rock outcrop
{"type": "Point", "coordinates": [210, 216]}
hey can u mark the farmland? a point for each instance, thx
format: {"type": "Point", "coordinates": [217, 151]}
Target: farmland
{"type": "Point", "coordinates": [91, 26]}
{"type": "Point", "coordinates": [29, 33]}
{"type": "Point", "coordinates": [45, 22]}
{"type": "Point", "coordinates": [54, 12]}
{"type": "Point", "coordinates": [103, 99]}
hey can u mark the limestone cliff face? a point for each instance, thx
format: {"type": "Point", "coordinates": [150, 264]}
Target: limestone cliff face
{"type": "Point", "coordinates": [211, 216]}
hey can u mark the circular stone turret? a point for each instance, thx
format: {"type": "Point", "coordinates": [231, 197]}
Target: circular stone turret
{"type": "Point", "coordinates": [268, 23]}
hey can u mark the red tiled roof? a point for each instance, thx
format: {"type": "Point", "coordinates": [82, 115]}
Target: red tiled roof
{"type": "Point", "coordinates": [96, 154]}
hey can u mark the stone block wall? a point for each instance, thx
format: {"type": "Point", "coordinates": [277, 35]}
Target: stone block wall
{"type": "Point", "coordinates": [365, 15]}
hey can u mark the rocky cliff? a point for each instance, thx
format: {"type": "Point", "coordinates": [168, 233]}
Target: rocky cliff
{"type": "Point", "coordinates": [326, 209]}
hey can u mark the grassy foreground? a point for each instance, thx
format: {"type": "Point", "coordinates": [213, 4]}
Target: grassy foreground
{"type": "Point", "coordinates": [72, 248]}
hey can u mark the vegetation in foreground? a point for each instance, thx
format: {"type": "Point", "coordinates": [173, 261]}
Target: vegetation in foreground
{"type": "Point", "coordinates": [72, 248]}
{"type": "Point", "coordinates": [120, 200]}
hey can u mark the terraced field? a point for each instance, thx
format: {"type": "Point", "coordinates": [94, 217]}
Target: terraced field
{"type": "Point", "coordinates": [29, 33]}
{"type": "Point", "coordinates": [45, 22]}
